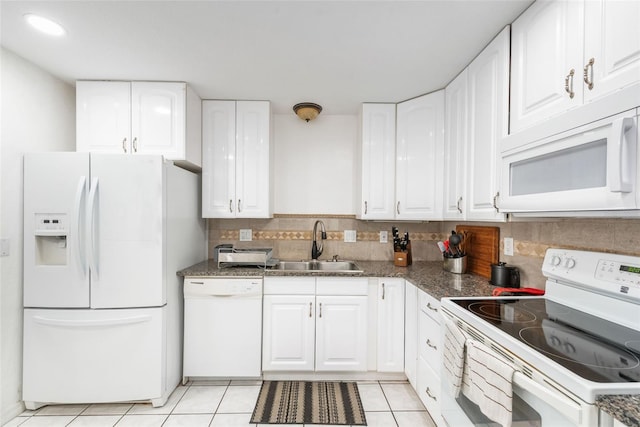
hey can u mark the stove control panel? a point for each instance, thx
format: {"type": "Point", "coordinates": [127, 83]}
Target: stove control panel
{"type": "Point", "coordinates": [611, 273]}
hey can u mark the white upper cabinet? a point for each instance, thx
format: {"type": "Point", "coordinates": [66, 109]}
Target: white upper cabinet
{"type": "Point", "coordinates": [456, 106]}
{"type": "Point", "coordinates": [401, 154]}
{"type": "Point", "coordinates": [567, 54]}
{"type": "Point", "coordinates": [139, 118]}
{"type": "Point", "coordinates": [488, 123]}
{"type": "Point", "coordinates": [476, 121]}
{"type": "Point", "coordinates": [419, 157]}
{"type": "Point", "coordinates": [611, 46]}
{"type": "Point", "coordinates": [547, 48]}
{"type": "Point", "coordinates": [236, 166]}
{"type": "Point", "coordinates": [378, 161]}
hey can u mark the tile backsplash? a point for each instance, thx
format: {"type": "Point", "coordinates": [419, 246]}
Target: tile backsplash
{"type": "Point", "coordinates": [290, 237]}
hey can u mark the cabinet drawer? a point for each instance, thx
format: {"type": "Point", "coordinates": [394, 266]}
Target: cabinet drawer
{"type": "Point", "coordinates": [429, 305]}
{"type": "Point", "coordinates": [342, 286]}
{"type": "Point", "coordinates": [289, 285]}
{"type": "Point", "coordinates": [429, 341]}
{"type": "Point", "coordinates": [429, 388]}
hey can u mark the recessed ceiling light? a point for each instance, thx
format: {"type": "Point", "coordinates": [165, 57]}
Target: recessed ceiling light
{"type": "Point", "coordinates": [44, 25]}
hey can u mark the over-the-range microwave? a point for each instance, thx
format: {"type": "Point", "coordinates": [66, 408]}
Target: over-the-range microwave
{"type": "Point", "coordinates": [591, 170]}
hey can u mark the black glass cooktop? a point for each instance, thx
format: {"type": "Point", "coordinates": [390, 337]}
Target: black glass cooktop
{"type": "Point", "coordinates": [595, 349]}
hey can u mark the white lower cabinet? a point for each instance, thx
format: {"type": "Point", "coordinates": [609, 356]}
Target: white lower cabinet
{"type": "Point", "coordinates": [429, 354]}
{"type": "Point", "coordinates": [315, 324]}
{"type": "Point", "coordinates": [390, 348]}
{"type": "Point", "coordinates": [411, 334]}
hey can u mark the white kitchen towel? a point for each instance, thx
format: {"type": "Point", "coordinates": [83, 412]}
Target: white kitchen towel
{"type": "Point", "coordinates": [488, 382]}
{"type": "Point", "coordinates": [453, 356]}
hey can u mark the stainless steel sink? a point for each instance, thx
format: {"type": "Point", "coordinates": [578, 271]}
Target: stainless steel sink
{"type": "Point", "coordinates": [319, 266]}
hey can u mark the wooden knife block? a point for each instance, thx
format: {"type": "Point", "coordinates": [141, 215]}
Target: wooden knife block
{"type": "Point", "coordinates": [403, 259]}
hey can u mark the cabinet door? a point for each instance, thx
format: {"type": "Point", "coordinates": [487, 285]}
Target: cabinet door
{"type": "Point", "coordinates": [488, 124]}
{"type": "Point", "coordinates": [103, 116]}
{"type": "Point", "coordinates": [218, 159]}
{"type": "Point", "coordinates": [158, 118]}
{"type": "Point", "coordinates": [612, 42]}
{"type": "Point", "coordinates": [341, 333]}
{"type": "Point", "coordinates": [378, 161]}
{"type": "Point", "coordinates": [411, 334]}
{"type": "Point", "coordinates": [391, 325]}
{"type": "Point", "coordinates": [252, 162]}
{"type": "Point", "coordinates": [454, 147]}
{"type": "Point", "coordinates": [288, 333]}
{"type": "Point", "coordinates": [419, 157]}
{"type": "Point", "coordinates": [547, 45]}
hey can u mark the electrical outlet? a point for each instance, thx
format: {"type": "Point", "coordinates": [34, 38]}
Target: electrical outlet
{"type": "Point", "coordinates": [246, 235]}
{"type": "Point", "coordinates": [350, 236]}
{"type": "Point", "coordinates": [384, 237]}
{"type": "Point", "coordinates": [508, 246]}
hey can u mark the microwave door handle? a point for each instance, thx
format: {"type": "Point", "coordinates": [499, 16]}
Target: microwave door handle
{"type": "Point", "coordinates": [621, 155]}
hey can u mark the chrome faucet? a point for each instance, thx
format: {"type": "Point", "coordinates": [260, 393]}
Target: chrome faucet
{"type": "Point", "coordinates": [316, 250]}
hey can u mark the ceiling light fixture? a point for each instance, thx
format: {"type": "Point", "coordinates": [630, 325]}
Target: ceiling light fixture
{"type": "Point", "coordinates": [44, 25]}
{"type": "Point", "coordinates": [307, 110]}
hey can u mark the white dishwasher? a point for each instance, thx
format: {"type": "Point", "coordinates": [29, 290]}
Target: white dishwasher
{"type": "Point", "coordinates": [222, 327]}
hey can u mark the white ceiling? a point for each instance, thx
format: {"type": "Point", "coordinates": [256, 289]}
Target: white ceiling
{"type": "Point", "coordinates": [335, 53]}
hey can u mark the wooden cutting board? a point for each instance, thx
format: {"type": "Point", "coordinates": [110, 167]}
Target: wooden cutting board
{"type": "Point", "coordinates": [482, 247]}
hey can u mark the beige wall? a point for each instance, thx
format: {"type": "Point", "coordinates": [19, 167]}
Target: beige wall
{"type": "Point", "coordinates": [290, 237]}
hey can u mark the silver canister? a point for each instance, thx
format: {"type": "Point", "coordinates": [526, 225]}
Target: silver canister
{"type": "Point", "coordinates": [456, 265]}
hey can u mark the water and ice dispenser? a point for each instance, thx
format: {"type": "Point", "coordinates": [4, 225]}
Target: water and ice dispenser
{"type": "Point", "coordinates": [51, 232]}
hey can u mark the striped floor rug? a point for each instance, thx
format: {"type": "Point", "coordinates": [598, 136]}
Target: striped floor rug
{"type": "Point", "coordinates": [304, 402]}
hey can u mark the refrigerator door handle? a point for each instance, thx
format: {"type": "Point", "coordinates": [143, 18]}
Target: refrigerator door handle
{"type": "Point", "coordinates": [79, 242]}
{"type": "Point", "coordinates": [92, 223]}
{"type": "Point", "coordinates": [77, 323]}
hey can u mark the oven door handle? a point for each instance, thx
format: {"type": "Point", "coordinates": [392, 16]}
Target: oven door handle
{"type": "Point", "coordinates": [554, 398]}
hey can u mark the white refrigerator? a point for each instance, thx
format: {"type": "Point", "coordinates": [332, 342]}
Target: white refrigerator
{"type": "Point", "coordinates": [104, 235]}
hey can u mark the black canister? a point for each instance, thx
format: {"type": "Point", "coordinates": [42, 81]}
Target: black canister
{"type": "Point", "coordinates": [504, 276]}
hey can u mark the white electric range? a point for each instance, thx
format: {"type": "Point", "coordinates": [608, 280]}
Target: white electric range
{"type": "Point", "coordinates": [580, 340]}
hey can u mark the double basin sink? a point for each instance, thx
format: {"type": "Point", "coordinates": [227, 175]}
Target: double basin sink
{"type": "Point", "coordinates": [319, 266]}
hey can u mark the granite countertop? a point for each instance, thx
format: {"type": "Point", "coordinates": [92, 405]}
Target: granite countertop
{"type": "Point", "coordinates": [426, 275]}
{"type": "Point", "coordinates": [624, 408]}
{"type": "Point", "coordinates": [432, 279]}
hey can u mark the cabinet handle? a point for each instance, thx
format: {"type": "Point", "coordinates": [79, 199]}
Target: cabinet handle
{"type": "Point", "coordinates": [383, 291]}
{"type": "Point", "coordinates": [310, 307]}
{"type": "Point", "coordinates": [588, 73]}
{"type": "Point", "coordinates": [366, 208]}
{"type": "Point", "coordinates": [428, 391]}
{"type": "Point", "coordinates": [320, 311]}
{"type": "Point", "coordinates": [431, 345]}
{"type": "Point", "coordinates": [495, 202]}
{"type": "Point", "coordinates": [458, 204]}
{"type": "Point", "coordinates": [124, 145]}
{"type": "Point", "coordinates": [568, 83]}
{"type": "Point", "coordinates": [135, 144]}
{"type": "Point", "coordinates": [230, 206]}
{"type": "Point", "coordinates": [430, 307]}
{"type": "Point", "coordinates": [398, 208]}
{"type": "Point", "coordinates": [239, 202]}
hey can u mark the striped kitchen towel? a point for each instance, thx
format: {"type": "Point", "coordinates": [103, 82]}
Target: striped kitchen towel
{"type": "Point", "coordinates": [453, 356]}
{"type": "Point", "coordinates": [488, 382]}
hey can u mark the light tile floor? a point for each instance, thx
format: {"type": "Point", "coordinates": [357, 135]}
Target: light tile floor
{"type": "Point", "coordinates": [223, 404]}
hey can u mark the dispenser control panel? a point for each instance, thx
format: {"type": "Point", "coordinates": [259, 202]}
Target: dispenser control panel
{"type": "Point", "coordinates": [51, 222]}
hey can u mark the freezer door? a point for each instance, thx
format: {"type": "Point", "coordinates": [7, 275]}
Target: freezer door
{"type": "Point", "coordinates": [126, 206]}
{"type": "Point", "coordinates": [55, 261]}
{"type": "Point", "coordinates": [93, 356]}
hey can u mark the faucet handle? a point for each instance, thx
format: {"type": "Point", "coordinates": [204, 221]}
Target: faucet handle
{"type": "Point", "coordinates": [335, 258]}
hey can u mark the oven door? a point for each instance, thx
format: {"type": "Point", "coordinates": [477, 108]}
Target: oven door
{"type": "Point", "coordinates": [591, 168]}
{"type": "Point", "coordinates": [534, 405]}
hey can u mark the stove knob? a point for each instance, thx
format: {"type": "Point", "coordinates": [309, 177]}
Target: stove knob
{"type": "Point", "coordinates": [555, 260]}
{"type": "Point", "coordinates": [569, 263]}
